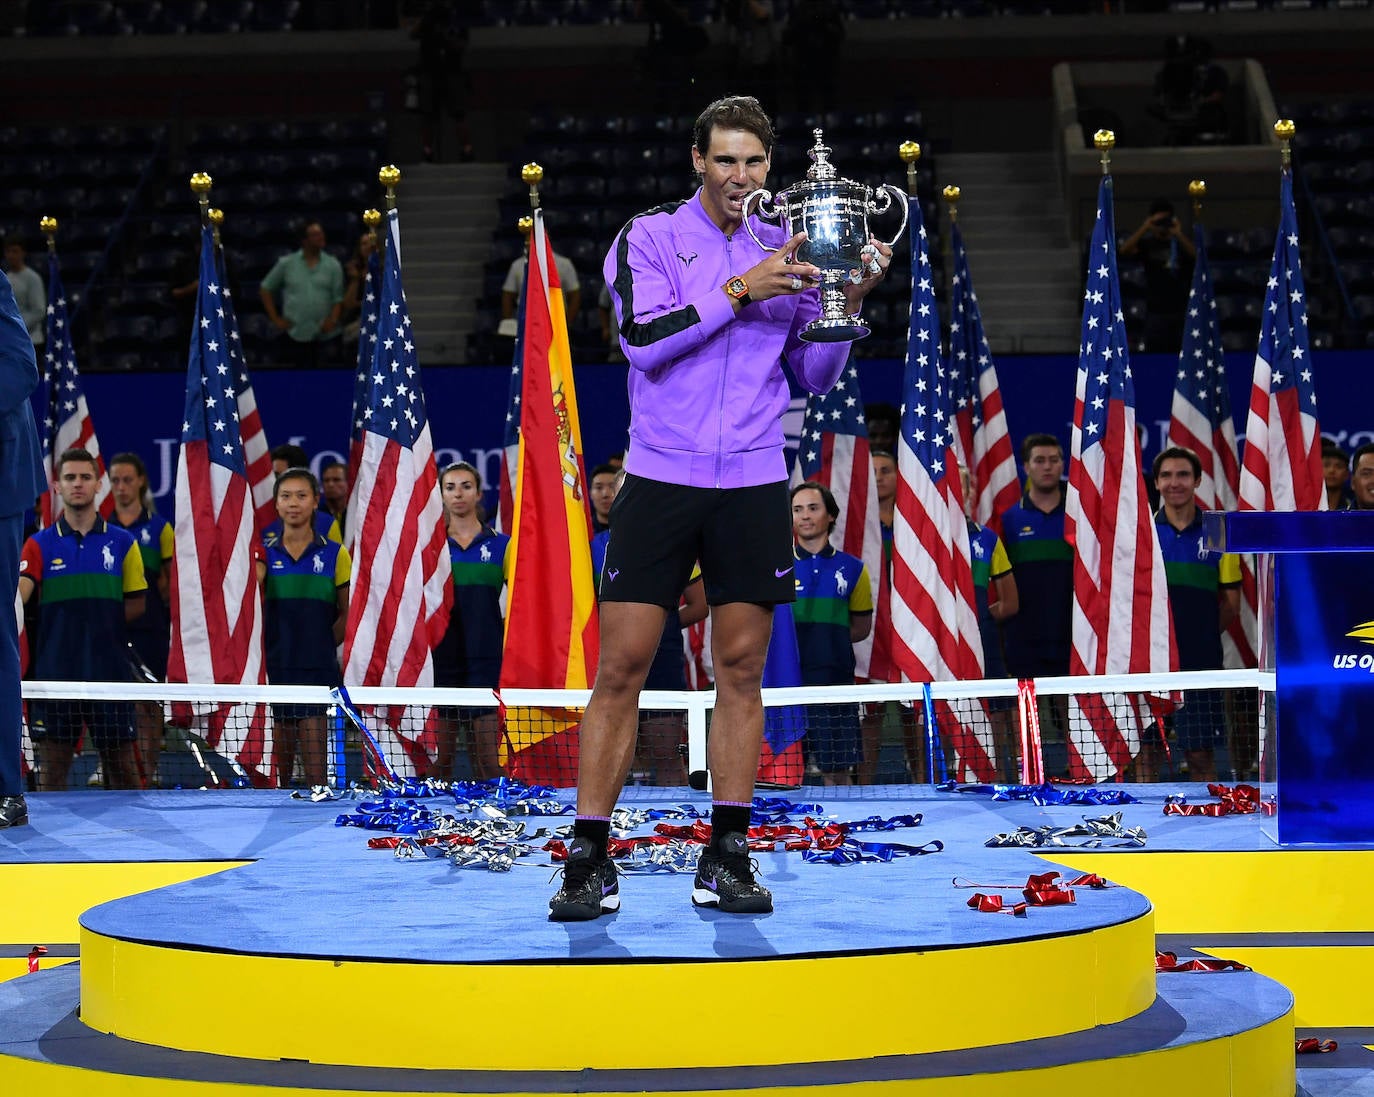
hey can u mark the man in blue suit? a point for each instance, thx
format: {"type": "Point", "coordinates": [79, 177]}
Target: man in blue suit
{"type": "Point", "coordinates": [21, 482]}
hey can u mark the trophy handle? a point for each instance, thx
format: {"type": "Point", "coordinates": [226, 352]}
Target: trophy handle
{"type": "Point", "coordinates": [765, 197]}
{"type": "Point", "coordinates": [889, 192]}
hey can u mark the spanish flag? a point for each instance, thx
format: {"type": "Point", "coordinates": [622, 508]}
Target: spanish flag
{"type": "Point", "coordinates": [551, 624]}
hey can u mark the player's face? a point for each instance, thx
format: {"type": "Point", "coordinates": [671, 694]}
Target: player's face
{"type": "Point", "coordinates": [1045, 468]}
{"type": "Point", "coordinates": [1334, 472]}
{"type": "Point", "coordinates": [735, 164]}
{"type": "Point", "coordinates": [809, 517]}
{"type": "Point", "coordinates": [603, 494]}
{"type": "Point", "coordinates": [963, 486]}
{"type": "Point", "coordinates": [459, 491]}
{"type": "Point", "coordinates": [1176, 482]}
{"type": "Point", "coordinates": [76, 484]}
{"type": "Point", "coordinates": [885, 474]}
{"type": "Point", "coordinates": [334, 484]}
{"type": "Point", "coordinates": [126, 485]}
{"type": "Point", "coordinates": [1362, 481]}
{"type": "Point", "coordinates": [296, 502]}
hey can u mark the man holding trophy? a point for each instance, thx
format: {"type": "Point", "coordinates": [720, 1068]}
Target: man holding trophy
{"type": "Point", "coordinates": [706, 313]}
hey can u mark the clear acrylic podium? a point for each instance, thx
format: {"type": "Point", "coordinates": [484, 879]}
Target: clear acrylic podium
{"type": "Point", "coordinates": [1316, 585]}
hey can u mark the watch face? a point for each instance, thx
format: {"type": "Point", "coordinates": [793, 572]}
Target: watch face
{"type": "Point", "coordinates": [736, 287]}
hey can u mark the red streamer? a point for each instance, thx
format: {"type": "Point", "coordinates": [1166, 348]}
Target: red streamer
{"type": "Point", "coordinates": [1311, 1045]}
{"type": "Point", "coordinates": [1169, 962]}
{"type": "Point", "coordinates": [34, 954]}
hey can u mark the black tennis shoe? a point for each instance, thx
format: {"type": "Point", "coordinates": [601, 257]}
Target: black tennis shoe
{"type": "Point", "coordinates": [725, 879]}
{"type": "Point", "coordinates": [590, 886]}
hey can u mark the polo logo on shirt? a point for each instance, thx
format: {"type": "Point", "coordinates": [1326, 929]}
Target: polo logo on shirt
{"type": "Point", "coordinates": [485, 554]}
{"type": "Point", "coordinates": [841, 583]}
{"type": "Point", "coordinates": [58, 564]}
{"type": "Point", "coordinates": [107, 557]}
{"type": "Point", "coordinates": [978, 549]}
{"type": "Point", "coordinates": [1201, 548]}
{"type": "Point", "coordinates": [319, 565]}
{"type": "Point", "coordinates": [145, 536]}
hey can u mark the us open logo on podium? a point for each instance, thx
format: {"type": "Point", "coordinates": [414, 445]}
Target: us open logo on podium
{"type": "Point", "coordinates": [1354, 660]}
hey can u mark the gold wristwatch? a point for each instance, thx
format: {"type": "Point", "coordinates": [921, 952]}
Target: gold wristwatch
{"type": "Point", "coordinates": [738, 288]}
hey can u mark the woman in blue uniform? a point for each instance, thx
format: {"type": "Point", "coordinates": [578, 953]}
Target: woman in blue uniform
{"type": "Point", "coordinates": [304, 578]}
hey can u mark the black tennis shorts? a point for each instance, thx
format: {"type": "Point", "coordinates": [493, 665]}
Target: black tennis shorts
{"type": "Point", "coordinates": [741, 536]}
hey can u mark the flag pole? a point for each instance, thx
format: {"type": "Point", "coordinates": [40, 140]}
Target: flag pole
{"type": "Point", "coordinates": [201, 184]}
{"type": "Point", "coordinates": [389, 177]}
{"type": "Point", "coordinates": [48, 227]}
{"type": "Point", "coordinates": [216, 219]}
{"type": "Point", "coordinates": [1105, 141]}
{"type": "Point", "coordinates": [532, 175]}
{"type": "Point", "coordinates": [372, 218]}
{"type": "Point", "coordinates": [1197, 191]}
{"type": "Point", "coordinates": [951, 195]}
{"type": "Point", "coordinates": [1284, 130]}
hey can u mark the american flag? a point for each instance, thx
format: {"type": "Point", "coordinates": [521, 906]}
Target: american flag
{"type": "Point", "coordinates": [399, 602]}
{"type": "Point", "coordinates": [834, 452]}
{"type": "Point", "coordinates": [362, 385]}
{"type": "Point", "coordinates": [256, 455]}
{"type": "Point", "coordinates": [215, 605]}
{"type": "Point", "coordinates": [67, 420]}
{"type": "Point", "coordinates": [1121, 621]}
{"type": "Point", "coordinates": [981, 440]}
{"type": "Point", "coordinates": [510, 437]}
{"type": "Point", "coordinates": [1201, 421]}
{"type": "Point", "coordinates": [934, 622]}
{"type": "Point", "coordinates": [1282, 461]}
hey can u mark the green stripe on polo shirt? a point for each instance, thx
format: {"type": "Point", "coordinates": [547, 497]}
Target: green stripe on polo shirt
{"type": "Point", "coordinates": [152, 558]}
{"type": "Point", "coordinates": [69, 588]}
{"type": "Point", "coordinates": [1028, 552]}
{"type": "Point", "coordinates": [821, 611]}
{"type": "Point", "coordinates": [1201, 576]}
{"type": "Point", "coordinates": [319, 588]}
{"type": "Point", "coordinates": [982, 572]}
{"type": "Point", "coordinates": [477, 574]}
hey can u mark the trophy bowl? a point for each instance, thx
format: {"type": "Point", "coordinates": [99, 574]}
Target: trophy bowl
{"type": "Point", "coordinates": [833, 212]}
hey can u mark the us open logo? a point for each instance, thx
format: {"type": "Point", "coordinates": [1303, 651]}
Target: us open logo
{"type": "Point", "coordinates": [1350, 660]}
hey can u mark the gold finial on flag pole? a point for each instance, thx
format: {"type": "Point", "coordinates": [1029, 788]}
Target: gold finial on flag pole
{"type": "Point", "coordinates": [525, 225]}
{"type": "Point", "coordinates": [201, 184]}
{"type": "Point", "coordinates": [951, 195]}
{"type": "Point", "coordinates": [372, 218]}
{"type": "Point", "coordinates": [48, 227]}
{"type": "Point", "coordinates": [1104, 141]}
{"type": "Point", "coordinates": [389, 177]}
{"type": "Point", "coordinates": [1284, 131]}
{"type": "Point", "coordinates": [910, 152]}
{"type": "Point", "coordinates": [1197, 190]}
{"type": "Point", "coordinates": [532, 175]}
{"type": "Point", "coordinates": [216, 217]}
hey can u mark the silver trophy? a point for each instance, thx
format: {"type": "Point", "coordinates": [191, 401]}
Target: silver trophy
{"type": "Point", "coordinates": [833, 212]}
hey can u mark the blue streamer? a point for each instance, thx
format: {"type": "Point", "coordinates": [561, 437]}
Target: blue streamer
{"type": "Point", "coordinates": [935, 749]}
{"type": "Point", "coordinates": [853, 853]}
{"type": "Point", "coordinates": [1048, 795]}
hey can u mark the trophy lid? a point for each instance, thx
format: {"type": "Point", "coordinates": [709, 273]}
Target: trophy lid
{"type": "Point", "coordinates": [821, 167]}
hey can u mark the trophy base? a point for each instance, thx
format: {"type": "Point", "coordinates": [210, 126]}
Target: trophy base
{"type": "Point", "coordinates": [841, 329]}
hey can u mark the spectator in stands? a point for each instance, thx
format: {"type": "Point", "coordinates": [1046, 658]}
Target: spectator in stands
{"type": "Point", "coordinates": [88, 575]}
{"type": "Point", "coordinates": [1362, 478]}
{"type": "Point", "coordinates": [334, 489]}
{"type": "Point", "coordinates": [833, 611]}
{"type": "Point", "coordinates": [355, 272]}
{"type": "Point", "coordinates": [311, 284]}
{"type": "Point", "coordinates": [883, 422]}
{"type": "Point", "coordinates": [151, 633]}
{"type": "Point", "coordinates": [605, 480]}
{"type": "Point", "coordinates": [469, 655]}
{"type": "Point", "coordinates": [289, 456]}
{"type": "Point", "coordinates": [1336, 474]}
{"type": "Point", "coordinates": [441, 81]}
{"type": "Point", "coordinates": [1166, 253]}
{"type": "Point", "coordinates": [1037, 639]}
{"type": "Point", "coordinates": [705, 482]}
{"type": "Point", "coordinates": [21, 482]}
{"type": "Point", "coordinates": [1204, 598]}
{"type": "Point", "coordinates": [996, 599]}
{"type": "Point", "coordinates": [28, 288]}
{"type": "Point", "coordinates": [304, 579]}
{"type": "Point", "coordinates": [515, 278]}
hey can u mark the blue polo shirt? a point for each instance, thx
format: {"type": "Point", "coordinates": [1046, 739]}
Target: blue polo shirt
{"type": "Point", "coordinates": [81, 582]}
{"type": "Point", "coordinates": [1038, 638]}
{"type": "Point", "coordinates": [152, 632]}
{"type": "Point", "coordinates": [301, 597]}
{"type": "Point", "coordinates": [325, 525]}
{"type": "Point", "coordinates": [470, 652]}
{"type": "Point", "coordinates": [1196, 576]}
{"type": "Point", "coordinates": [832, 586]}
{"type": "Point", "coordinates": [989, 561]}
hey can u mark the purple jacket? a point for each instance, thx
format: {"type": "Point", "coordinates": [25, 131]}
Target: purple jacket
{"type": "Point", "coordinates": [707, 391]}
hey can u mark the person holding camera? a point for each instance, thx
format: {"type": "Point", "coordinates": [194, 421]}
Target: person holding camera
{"type": "Point", "coordinates": [1167, 255]}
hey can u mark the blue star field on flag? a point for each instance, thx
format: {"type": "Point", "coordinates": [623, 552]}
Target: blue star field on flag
{"type": "Point", "coordinates": [927, 420]}
{"type": "Point", "coordinates": [969, 353]}
{"type": "Point", "coordinates": [1201, 364]}
{"type": "Point", "coordinates": [367, 345]}
{"type": "Point", "coordinates": [211, 400]}
{"type": "Point", "coordinates": [396, 404]}
{"type": "Point", "coordinates": [1104, 354]}
{"type": "Point", "coordinates": [839, 411]}
{"type": "Point", "coordinates": [64, 383]}
{"type": "Point", "coordinates": [1283, 339]}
